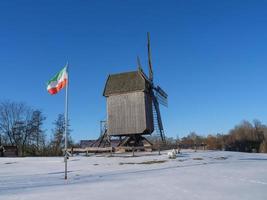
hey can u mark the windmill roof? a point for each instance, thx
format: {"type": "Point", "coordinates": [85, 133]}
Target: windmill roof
{"type": "Point", "coordinates": [125, 83]}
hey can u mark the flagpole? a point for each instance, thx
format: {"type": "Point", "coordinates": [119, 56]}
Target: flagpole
{"type": "Point", "coordinates": [66, 125]}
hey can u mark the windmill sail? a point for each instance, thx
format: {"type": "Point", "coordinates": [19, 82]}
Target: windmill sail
{"type": "Point", "coordinates": [158, 96]}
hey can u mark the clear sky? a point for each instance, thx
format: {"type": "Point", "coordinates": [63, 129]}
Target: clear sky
{"type": "Point", "coordinates": [209, 56]}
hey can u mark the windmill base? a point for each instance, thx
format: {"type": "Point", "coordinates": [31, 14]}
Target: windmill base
{"type": "Point", "coordinates": [131, 143]}
{"type": "Point", "coordinates": [134, 143]}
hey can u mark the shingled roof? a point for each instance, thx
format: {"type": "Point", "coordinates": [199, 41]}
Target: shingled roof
{"type": "Point", "coordinates": [124, 83]}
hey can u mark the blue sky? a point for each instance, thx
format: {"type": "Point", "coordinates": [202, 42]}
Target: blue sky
{"type": "Point", "coordinates": [210, 57]}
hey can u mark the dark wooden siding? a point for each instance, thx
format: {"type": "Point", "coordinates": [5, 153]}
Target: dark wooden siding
{"type": "Point", "coordinates": [128, 114]}
{"type": "Point", "coordinates": [149, 113]}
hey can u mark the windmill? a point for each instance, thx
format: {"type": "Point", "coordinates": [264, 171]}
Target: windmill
{"type": "Point", "coordinates": [133, 103]}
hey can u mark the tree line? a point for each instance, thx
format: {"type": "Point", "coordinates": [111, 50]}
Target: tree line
{"type": "Point", "coordinates": [244, 137]}
{"type": "Point", "coordinates": [22, 126]}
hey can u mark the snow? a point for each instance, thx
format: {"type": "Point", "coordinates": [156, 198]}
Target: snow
{"type": "Point", "coordinates": [192, 175]}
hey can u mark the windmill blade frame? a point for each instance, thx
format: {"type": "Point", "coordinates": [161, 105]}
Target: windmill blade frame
{"type": "Point", "coordinates": [161, 96]}
{"type": "Point", "coordinates": [161, 92]}
{"type": "Point", "coordinates": [161, 100]}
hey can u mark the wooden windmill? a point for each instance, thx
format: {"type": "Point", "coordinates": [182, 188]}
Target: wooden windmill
{"type": "Point", "coordinates": [133, 105]}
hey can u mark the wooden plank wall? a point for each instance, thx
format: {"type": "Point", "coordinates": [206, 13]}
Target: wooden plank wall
{"type": "Point", "coordinates": [127, 113]}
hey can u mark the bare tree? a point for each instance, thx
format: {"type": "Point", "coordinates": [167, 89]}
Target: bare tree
{"type": "Point", "coordinates": [57, 143]}
{"type": "Point", "coordinates": [36, 140]}
{"type": "Point", "coordinates": [14, 118]}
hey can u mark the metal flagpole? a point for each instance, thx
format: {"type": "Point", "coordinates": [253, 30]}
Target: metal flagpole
{"type": "Point", "coordinates": [66, 124]}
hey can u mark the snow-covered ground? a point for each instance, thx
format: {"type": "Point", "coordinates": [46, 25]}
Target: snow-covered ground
{"type": "Point", "coordinates": [200, 175]}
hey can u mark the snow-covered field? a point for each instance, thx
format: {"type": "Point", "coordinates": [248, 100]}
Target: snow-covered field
{"type": "Point", "coordinates": [200, 175]}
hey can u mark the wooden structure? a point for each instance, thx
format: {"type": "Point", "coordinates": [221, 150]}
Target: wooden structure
{"type": "Point", "coordinates": [8, 151]}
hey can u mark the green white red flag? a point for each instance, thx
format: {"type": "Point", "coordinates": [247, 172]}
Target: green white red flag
{"type": "Point", "coordinates": [58, 82]}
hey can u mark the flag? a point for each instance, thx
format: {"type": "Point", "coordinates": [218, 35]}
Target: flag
{"type": "Point", "coordinates": [58, 82]}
